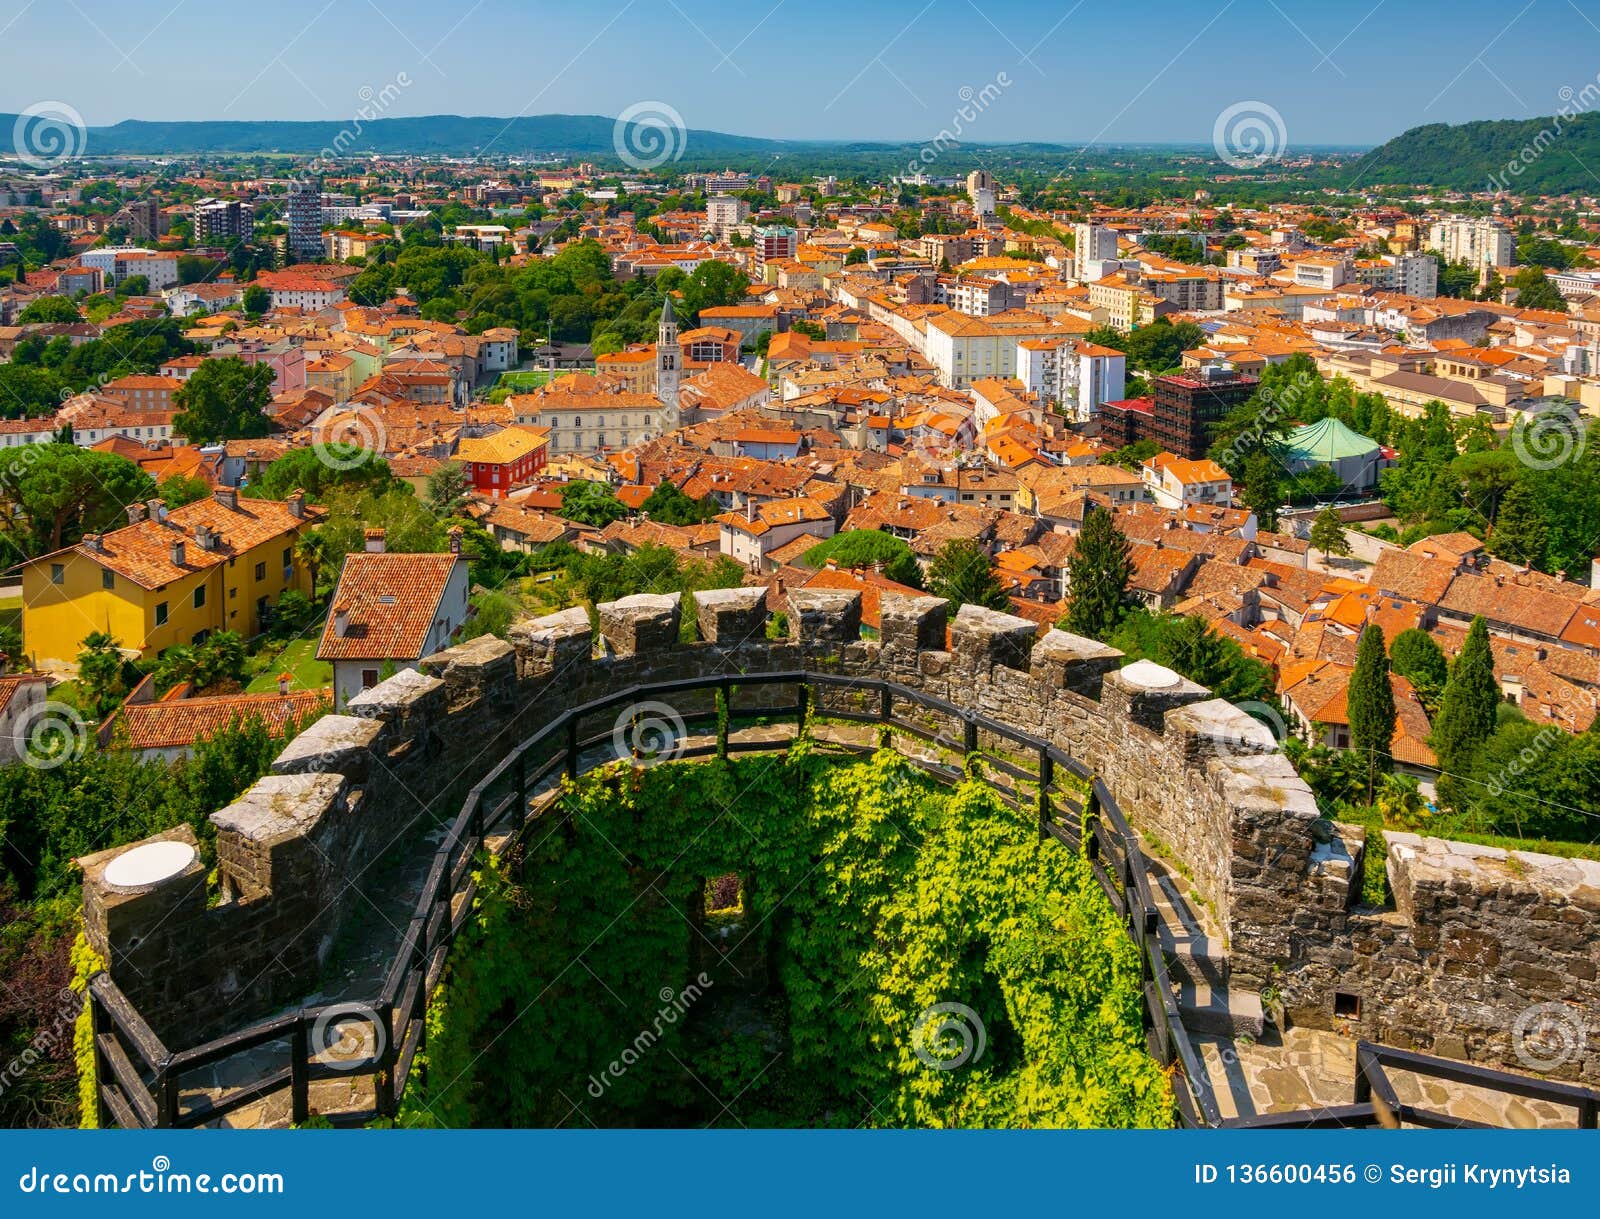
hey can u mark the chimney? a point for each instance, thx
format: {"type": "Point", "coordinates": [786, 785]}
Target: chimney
{"type": "Point", "coordinates": [135, 513]}
{"type": "Point", "coordinates": [341, 619]}
{"type": "Point", "coordinates": [297, 503]}
{"type": "Point", "coordinates": [92, 542]}
{"type": "Point", "coordinates": [284, 681]}
{"type": "Point", "coordinates": [455, 539]}
{"type": "Point", "coordinates": [228, 497]}
{"type": "Point", "coordinates": [375, 541]}
{"type": "Point", "coordinates": [177, 553]}
{"type": "Point", "coordinates": [157, 510]}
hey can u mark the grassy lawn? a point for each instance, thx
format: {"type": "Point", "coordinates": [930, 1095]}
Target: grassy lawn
{"type": "Point", "coordinates": [300, 659]}
{"type": "Point", "coordinates": [529, 379]}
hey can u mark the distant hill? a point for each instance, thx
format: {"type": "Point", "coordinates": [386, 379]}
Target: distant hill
{"type": "Point", "coordinates": [437, 134]}
{"type": "Point", "coordinates": [1475, 156]}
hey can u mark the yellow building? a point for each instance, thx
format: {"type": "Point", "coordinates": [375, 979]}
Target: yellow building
{"type": "Point", "coordinates": [166, 577]}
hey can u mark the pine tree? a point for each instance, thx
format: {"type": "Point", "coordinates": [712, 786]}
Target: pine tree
{"type": "Point", "coordinates": [1467, 713]}
{"type": "Point", "coordinates": [1098, 573]}
{"type": "Point", "coordinates": [1370, 700]}
{"type": "Point", "coordinates": [961, 573]}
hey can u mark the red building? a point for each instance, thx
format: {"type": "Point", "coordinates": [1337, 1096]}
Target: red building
{"type": "Point", "coordinates": [510, 458]}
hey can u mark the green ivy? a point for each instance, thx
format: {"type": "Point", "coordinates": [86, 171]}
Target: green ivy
{"type": "Point", "coordinates": [587, 988]}
{"type": "Point", "coordinates": [85, 964]}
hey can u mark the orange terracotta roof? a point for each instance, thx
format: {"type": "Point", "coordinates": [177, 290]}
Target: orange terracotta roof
{"type": "Point", "coordinates": [391, 602]}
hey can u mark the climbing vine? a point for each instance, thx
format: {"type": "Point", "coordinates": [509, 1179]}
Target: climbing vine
{"type": "Point", "coordinates": [900, 954]}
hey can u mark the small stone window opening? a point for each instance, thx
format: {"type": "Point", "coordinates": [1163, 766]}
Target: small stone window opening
{"type": "Point", "coordinates": [1345, 1006]}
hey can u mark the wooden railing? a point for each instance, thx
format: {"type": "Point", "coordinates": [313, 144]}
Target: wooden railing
{"type": "Point", "coordinates": [1376, 1102]}
{"type": "Point", "coordinates": [140, 1083]}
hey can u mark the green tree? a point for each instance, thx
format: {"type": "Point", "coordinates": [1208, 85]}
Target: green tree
{"type": "Point", "coordinates": [176, 490]}
{"type": "Point", "coordinates": [857, 548]}
{"type": "Point", "coordinates": [352, 469]}
{"type": "Point", "coordinates": [447, 489]}
{"type": "Point", "coordinates": [1261, 488]}
{"type": "Point", "coordinates": [1098, 575]}
{"type": "Point", "coordinates": [1327, 533]}
{"type": "Point", "coordinates": [668, 505]}
{"type": "Point", "coordinates": [49, 309]}
{"type": "Point", "coordinates": [1466, 712]}
{"type": "Point", "coordinates": [256, 300]}
{"type": "Point", "coordinates": [1188, 646]}
{"type": "Point", "coordinates": [52, 494]}
{"type": "Point", "coordinates": [961, 573]}
{"type": "Point", "coordinates": [1370, 702]}
{"type": "Point", "coordinates": [1521, 532]}
{"type": "Point", "coordinates": [100, 671]}
{"type": "Point", "coordinates": [224, 399]}
{"type": "Point", "coordinates": [1535, 291]}
{"type": "Point", "coordinates": [1417, 658]}
{"type": "Point", "coordinates": [591, 503]}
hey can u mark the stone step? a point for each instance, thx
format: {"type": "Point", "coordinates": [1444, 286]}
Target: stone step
{"type": "Point", "coordinates": [1194, 959]}
{"type": "Point", "coordinates": [1226, 1013]}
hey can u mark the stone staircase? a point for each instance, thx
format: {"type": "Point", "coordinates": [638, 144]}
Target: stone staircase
{"type": "Point", "coordinates": [1198, 964]}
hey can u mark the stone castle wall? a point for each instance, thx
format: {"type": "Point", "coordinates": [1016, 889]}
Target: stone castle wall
{"type": "Point", "coordinates": [1478, 936]}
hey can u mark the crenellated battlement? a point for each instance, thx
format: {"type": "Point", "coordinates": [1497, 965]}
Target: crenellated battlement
{"type": "Point", "coordinates": [1206, 785]}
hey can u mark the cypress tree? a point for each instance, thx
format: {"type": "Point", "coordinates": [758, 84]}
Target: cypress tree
{"type": "Point", "coordinates": [1370, 701]}
{"type": "Point", "coordinates": [1416, 657]}
{"type": "Point", "coordinates": [1467, 711]}
{"type": "Point", "coordinates": [1098, 574]}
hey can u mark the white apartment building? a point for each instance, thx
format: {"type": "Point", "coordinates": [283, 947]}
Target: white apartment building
{"type": "Point", "coordinates": [119, 263]}
{"type": "Point", "coordinates": [1175, 482]}
{"type": "Point", "coordinates": [1412, 274]}
{"type": "Point", "coordinates": [966, 349]}
{"type": "Point", "coordinates": [1076, 375]}
{"type": "Point", "coordinates": [1326, 272]}
{"type": "Point", "coordinates": [1093, 246]}
{"type": "Point", "coordinates": [725, 213]}
{"type": "Point", "coordinates": [1479, 242]}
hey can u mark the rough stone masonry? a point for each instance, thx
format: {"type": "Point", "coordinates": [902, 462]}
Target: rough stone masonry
{"type": "Point", "coordinates": [1478, 936]}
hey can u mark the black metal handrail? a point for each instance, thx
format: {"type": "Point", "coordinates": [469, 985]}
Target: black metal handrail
{"type": "Point", "coordinates": [149, 1096]}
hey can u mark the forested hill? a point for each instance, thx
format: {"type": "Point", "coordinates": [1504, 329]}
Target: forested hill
{"type": "Point", "coordinates": [438, 134]}
{"type": "Point", "coordinates": [1476, 156]}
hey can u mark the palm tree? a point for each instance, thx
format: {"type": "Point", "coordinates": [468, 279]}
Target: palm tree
{"type": "Point", "coordinates": [312, 550]}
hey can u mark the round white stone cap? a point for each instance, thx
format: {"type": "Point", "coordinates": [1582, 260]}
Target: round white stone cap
{"type": "Point", "coordinates": [149, 864]}
{"type": "Point", "coordinates": [1150, 675]}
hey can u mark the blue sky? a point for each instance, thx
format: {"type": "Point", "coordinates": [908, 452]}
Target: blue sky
{"type": "Point", "coordinates": [870, 69]}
